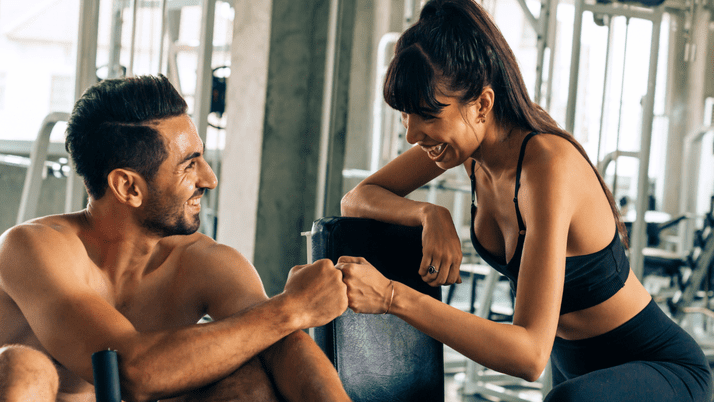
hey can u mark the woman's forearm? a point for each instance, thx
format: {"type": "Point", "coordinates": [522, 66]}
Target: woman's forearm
{"type": "Point", "coordinates": [375, 202]}
{"type": "Point", "coordinates": [506, 348]}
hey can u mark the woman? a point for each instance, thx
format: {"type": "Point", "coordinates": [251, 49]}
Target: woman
{"type": "Point", "coordinates": [545, 219]}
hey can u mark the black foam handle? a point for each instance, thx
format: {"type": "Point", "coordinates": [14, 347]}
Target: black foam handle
{"type": "Point", "coordinates": [105, 367]}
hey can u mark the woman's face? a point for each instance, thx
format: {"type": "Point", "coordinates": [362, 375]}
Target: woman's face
{"type": "Point", "coordinates": [450, 137]}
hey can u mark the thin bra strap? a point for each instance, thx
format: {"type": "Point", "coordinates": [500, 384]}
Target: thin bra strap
{"type": "Point", "coordinates": [473, 198]}
{"type": "Point", "coordinates": [473, 182]}
{"type": "Point", "coordinates": [521, 225]}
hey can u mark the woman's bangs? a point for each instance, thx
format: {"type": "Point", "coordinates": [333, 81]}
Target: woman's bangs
{"type": "Point", "coordinates": [410, 84]}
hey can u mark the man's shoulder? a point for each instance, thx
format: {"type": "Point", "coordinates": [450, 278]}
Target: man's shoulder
{"type": "Point", "coordinates": [46, 232]}
{"type": "Point", "coordinates": [199, 247]}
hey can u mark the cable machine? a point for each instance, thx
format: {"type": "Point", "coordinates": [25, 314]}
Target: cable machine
{"type": "Point", "coordinates": [653, 14]}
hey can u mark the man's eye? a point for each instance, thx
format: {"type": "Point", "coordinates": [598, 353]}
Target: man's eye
{"type": "Point", "coordinates": [191, 165]}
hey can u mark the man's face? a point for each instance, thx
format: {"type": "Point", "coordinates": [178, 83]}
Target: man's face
{"type": "Point", "coordinates": [173, 204]}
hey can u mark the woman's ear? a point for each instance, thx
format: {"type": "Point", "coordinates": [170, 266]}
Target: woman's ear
{"type": "Point", "coordinates": [485, 101]}
{"type": "Point", "coordinates": [127, 186]}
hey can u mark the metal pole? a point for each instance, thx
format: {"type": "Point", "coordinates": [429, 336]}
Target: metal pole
{"type": "Point", "coordinates": [132, 45]}
{"type": "Point", "coordinates": [202, 97]}
{"type": "Point", "coordinates": [327, 107]}
{"type": "Point", "coordinates": [622, 94]}
{"type": "Point", "coordinates": [542, 32]}
{"type": "Point", "coordinates": [33, 177]}
{"type": "Point", "coordinates": [574, 67]}
{"type": "Point", "coordinates": [379, 105]}
{"type": "Point", "coordinates": [552, 28]}
{"type": "Point", "coordinates": [638, 228]}
{"type": "Point", "coordinates": [689, 165]}
{"type": "Point", "coordinates": [164, 16]}
{"type": "Point", "coordinates": [85, 76]}
{"type": "Point", "coordinates": [114, 40]}
{"type": "Point", "coordinates": [606, 80]}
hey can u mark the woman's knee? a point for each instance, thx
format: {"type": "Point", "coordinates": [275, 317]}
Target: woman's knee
{"type": "Point", "coordinates": [20, 369]}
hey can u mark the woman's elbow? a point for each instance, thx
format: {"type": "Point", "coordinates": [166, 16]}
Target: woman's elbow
{"type": "Point", "coordinates": [533, 368]}
{"type": "Point", "coordinates": [347, 203]}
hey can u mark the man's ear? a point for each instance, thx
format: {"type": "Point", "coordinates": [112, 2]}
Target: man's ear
{"type": "Point", "coordinates": [127, 186]}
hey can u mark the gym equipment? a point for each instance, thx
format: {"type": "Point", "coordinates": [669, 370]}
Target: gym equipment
{"type": "Point", "coordinates": [33, 178]}
{"type": "Point", "coordinates": [105, 368]}
{"type": "Point", "coordinates": [701, 262]}
{"type": "Point", "coordinates": [379, 357]}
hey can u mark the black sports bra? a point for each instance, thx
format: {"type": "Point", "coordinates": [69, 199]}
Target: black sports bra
{"type": "Point", "coordinates": [589, 279]}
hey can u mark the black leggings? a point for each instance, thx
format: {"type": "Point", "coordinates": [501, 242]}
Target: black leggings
{"type": "Point", "coordinates": [649, 358]}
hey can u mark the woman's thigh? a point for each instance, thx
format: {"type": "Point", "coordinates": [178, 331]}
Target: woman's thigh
{"type": "Point", "coordinates": [634, 381]}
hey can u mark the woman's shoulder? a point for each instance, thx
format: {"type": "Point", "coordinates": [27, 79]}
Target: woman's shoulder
{"type": "Point", "coordinates": [552, 151]}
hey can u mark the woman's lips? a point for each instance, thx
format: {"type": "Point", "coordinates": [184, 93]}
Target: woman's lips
{"type": "Point", "coordinates": [436, 152]}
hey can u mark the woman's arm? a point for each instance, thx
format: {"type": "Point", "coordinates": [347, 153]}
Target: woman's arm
{"type": "Point", "coordinates": [381, 197]}
{"type": "Point", "coordinates": [548, 198]}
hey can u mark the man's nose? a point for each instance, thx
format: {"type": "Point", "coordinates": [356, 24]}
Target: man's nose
{"type": "Point", "coordinates": [207, 179]}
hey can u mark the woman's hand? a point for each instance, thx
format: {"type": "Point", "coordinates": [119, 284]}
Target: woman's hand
{"type": "Point", "coordinates": [441, 248]}
{"type": "Point", "coordinates": [368, 291]}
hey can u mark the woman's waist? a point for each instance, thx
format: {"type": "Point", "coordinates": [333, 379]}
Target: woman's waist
{"type": "Point", "coordinates": [604, 317]}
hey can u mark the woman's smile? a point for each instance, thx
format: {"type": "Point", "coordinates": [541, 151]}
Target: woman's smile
{"type": "Point", "coordinates": [435, 152]}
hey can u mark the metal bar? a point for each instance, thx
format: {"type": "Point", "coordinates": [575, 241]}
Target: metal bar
{"type": "Point", "coordinates": [164, 16]}
{"type": "Point", "coordinates": [542, 32]}
{"type": "Point", "coordinates": [552, 29]}
{"type": "Point", "coordinates": [606, 80]}
{"type": "Point", "coordinates": [378, 106]}
{"type": "Point", "coordinates": [574, 67]}
{"type": "Point", "coordinates": [327, 107]}
{"type": "Point", "coordinates": [535, 24]}
{"type": "Point", "coordinates": [625, 11]}
{"type": "Point", "coordinates": [639, 226]}
{"type": "Point", "coordinates": [33, 178]}
{"type": "Point", "coordinates": [622, 95]}
{"type": "Point", "coordinates": [202, 97]}
{"type": "Point", "coordinates": [132, 45]}
{"type": "Point", "coordinates": [686, 227]}
{"type": "Point", "coordinates": [85, 76]}
{"type": "Point", "coordinates": [114, 40]}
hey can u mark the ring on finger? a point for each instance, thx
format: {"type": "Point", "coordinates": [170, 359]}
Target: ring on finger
{"type": "Point", "coordinates": [432, 269]}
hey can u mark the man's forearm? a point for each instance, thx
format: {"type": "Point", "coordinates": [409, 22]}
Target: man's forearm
{"type": "Point", "coordinates": [301, 371]}
{"type": "Point", "coordinates": [169, 363]}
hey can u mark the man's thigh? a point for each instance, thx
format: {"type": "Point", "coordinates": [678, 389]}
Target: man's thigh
{"type": "Point", "coordinates": [26, 374]}
{"type": "Point", "coordinates": [249, 383]}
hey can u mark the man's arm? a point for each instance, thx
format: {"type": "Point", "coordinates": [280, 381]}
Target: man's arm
{"type": "Point", "coordinates": [298, 367]}
{"type": "Point", "coordinates": [73, 321]}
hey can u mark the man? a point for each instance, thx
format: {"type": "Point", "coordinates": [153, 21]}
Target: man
{"type": "Point", "coordinates": [130, 273]}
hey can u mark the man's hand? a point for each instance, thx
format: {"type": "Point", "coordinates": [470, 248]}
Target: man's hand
{"type": "Point", "coordinates": [318, 292]}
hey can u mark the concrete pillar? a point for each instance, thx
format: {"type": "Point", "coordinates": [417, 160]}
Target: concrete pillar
{"type": "Point", "coordinates": [274, 106]}
{"type": "Point", "coordinates": [676, 107]}
{"type": "Point", "coordinates": [246, 94]}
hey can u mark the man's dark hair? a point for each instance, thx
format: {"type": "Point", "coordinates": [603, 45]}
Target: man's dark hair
{"type": "Point", "coordinates": [113, 126]}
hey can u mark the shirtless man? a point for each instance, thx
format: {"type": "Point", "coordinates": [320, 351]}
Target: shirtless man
{"type": "Point", "coordinates": [130, 273]}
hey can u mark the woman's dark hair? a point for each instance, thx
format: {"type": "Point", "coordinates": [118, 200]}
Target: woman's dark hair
{"type": "Point", "coordinates": [455, 44]}
{"type": "Point", "coordinates": [112, 126]}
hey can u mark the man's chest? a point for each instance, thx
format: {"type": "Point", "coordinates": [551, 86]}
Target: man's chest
{"type": "Point", "coordinates": [163, 299]}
